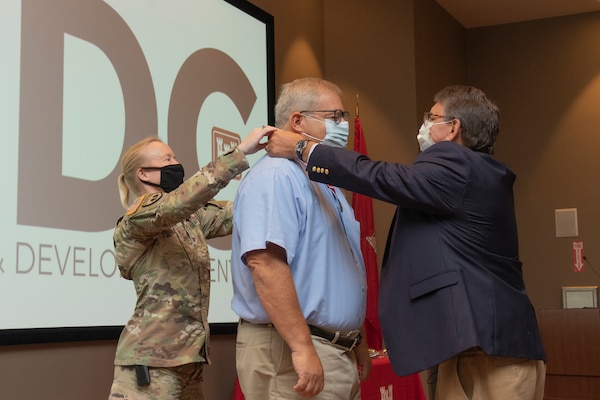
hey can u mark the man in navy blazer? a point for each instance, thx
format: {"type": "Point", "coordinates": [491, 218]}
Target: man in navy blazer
{"type": "Point", "coordinates": [452, 293]}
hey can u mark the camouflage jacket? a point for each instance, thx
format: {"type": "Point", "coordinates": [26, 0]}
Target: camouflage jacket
{"type": "Point", "coordinates": [160, 245]}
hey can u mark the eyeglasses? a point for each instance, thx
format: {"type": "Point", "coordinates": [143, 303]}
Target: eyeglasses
{"type": "Point", "coordinates": [432, 117]}
{"type": "Point", "coordinates": [337, 114]}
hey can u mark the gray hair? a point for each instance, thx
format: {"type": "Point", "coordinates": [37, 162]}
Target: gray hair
{"type": "Point", "coordinates": [299, 95]}
{"type": "Point", "coordinates": [478, 115]}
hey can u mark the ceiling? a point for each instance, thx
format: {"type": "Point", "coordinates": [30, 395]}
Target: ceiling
{"type": "Point", "coordinates": [479, 13]}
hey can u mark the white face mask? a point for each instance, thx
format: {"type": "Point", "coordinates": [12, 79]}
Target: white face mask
{"type": "Point", "coordinates": [336, 135]}
{"type": "Point", "coordinates": [424, 136]}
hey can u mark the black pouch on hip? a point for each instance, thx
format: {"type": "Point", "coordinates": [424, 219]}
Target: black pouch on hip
{"type": "Point", "coordinates": [143, 375]}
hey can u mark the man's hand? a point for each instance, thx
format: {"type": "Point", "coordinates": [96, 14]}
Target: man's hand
{"type": "Point", "coordinates": [363, 359]}
{"type": "Point", "coordinates": [283, 144]}
{"type": "Point", "coordinates": [311, 378]}
{"type": "Point", "coordinates": [275, 288]}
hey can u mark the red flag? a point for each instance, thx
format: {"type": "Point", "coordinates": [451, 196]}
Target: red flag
{"type": "Point", "coordinates": [363, 211]}
{"type": "Point", "coordinates": [237, 391]}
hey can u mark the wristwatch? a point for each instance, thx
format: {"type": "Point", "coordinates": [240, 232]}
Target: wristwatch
{"type": "Point", "coordinates": [300, 146]}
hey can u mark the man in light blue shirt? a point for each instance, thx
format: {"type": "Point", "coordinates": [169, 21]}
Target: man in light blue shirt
{"type": "Point", "coordinates": [298, 272]}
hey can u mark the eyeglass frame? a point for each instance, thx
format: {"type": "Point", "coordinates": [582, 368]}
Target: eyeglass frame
{"type": "Point", "coordinates": [427, 117]}
{"type": "Point", "coordinates": [337, 114]}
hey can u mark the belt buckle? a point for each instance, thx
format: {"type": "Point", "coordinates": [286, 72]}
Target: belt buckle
{"type": "Point", "coordinates": [351, 335]}
{"type": "Point", "coordinates": [355, 337]}
{"type": "Point", "coordinates": [354, 343]}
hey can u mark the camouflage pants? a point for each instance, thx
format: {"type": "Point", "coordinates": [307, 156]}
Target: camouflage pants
{"type": "Point", "coordinates": [183, 382]}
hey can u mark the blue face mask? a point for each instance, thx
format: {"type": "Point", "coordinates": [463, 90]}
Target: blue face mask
{"type": "Point", "coordinates": [336, 135]}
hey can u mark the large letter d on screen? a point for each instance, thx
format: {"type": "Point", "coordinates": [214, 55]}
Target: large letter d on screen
{"type": "Point", "coordinates": [45, 197]}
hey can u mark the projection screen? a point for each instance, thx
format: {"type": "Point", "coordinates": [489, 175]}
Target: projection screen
{"type": "Point", "coordinates": [80, 82]}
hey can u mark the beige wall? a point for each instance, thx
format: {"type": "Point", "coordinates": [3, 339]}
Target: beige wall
{"type": "Point", "coordinates": [370, 52]}
{"type": "Point", "coordinates": [440, 53]}
{"type": "Point", "coordinates": [395, 55]}
{"type": "Point", "coordinates": [545, 76]}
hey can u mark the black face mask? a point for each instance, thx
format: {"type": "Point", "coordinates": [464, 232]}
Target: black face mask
{"type": "Point", "coordinates": [171, 176]}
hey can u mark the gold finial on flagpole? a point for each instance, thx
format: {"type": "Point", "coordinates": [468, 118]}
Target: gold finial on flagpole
{"type": "Point", "coordinates": [356, 110]}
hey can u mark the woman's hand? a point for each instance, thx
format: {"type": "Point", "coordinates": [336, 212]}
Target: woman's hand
{"type": "Point", "coordinates": [251, 144]}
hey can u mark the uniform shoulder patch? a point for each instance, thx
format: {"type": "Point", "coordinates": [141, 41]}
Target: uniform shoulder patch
{"type": "Point", "coordinates": [151, 199]}
{"type": "Point", "coordinates": [135, 205]}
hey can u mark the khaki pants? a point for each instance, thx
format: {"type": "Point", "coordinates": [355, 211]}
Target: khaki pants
{"type": "Point", "coordinates": [265, 370]}
{"type": "Point", "coordinates": [175, 383]}
{"type": "Point", "coordinates": [474, 375]}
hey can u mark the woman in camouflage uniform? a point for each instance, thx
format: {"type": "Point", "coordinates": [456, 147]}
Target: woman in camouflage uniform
{"type": "Point", "coordinates": [160, 244]}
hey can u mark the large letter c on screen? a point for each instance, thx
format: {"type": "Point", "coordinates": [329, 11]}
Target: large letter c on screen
{"type": "Point", "coordinates": [204, 72]}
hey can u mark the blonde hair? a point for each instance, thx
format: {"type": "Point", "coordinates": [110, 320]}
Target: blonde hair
{"type": "Point", "coordinates": [128, 182]}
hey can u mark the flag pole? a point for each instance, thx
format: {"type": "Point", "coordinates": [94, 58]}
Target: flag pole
{"type": "Point", "coordinates": [356, 109]}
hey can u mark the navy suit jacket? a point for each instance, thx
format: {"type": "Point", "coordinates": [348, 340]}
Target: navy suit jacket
{"type": "Point", "coordinates": [451, 277]}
